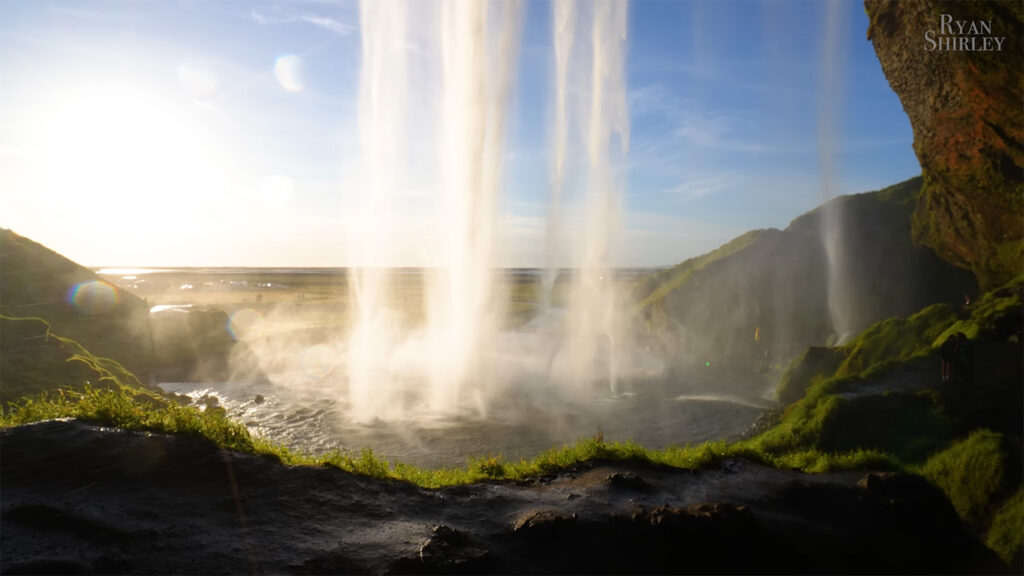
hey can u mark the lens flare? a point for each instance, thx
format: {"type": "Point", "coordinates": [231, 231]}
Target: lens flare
{"type": "Point", "coordinates": [245, 324]}
{"type": "Point", "coordinates": [289, 71]}
{"type": "Point", "coordinates": [95, 297]}
{"type": "Point", "coordinates": [318, 362]}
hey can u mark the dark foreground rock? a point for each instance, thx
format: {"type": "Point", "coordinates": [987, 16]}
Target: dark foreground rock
{"type": "Point", "coordinates": [81, 499]}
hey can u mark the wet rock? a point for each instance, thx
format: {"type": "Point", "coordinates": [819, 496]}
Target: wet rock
{"type": "Point", "coordinates": [628, 481]}
{"type": "Point", "coordinates": [542, 523]}
{"type": "Point", "coordinates": [449, 551]}
{"type": "Point", "coordinates": [209, 401]}
{"type": "Point", "coordinates": [259, 399]}
{"type": "Point", "coordinates": [194, 508]}
{"type": "Point", "coordinates": [53, 566]}
{"type": "Point", "coordinates": [45, 517]}
{"type": "Point", "coordinates": [891, 522]}
{"type": "Point", "coordinates": [766, 421]}
{"type": "Point", "coordinates": [731, 466]}
{"type": "Point", "coordinates": [713, 537]}
{"type": "Point", "coordinates": [335, 562]}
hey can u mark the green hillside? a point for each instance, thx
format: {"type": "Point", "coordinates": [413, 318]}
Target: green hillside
{"type": "Point", "coordinates": [765, 296]}
{"type": "Point", "coordinates": [37, 282]}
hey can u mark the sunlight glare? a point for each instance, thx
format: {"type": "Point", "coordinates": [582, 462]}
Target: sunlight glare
{"type": "Point", "coordinates": [197, 78]}
{"type": "Point", "coordinates": [119, 153]}
{"type": "Point", "coordinates": [276, 191]}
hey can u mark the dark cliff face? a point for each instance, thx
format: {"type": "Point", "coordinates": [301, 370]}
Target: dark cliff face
{"type": "Point", "coordinates": [968, 120]}
{"type": "Point", "coordinates": [37, 282]}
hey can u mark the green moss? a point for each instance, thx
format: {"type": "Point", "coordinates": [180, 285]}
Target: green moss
{"type": "Point", "coordinates": [892, 343]}
{"type": "Point", "coordinates": [816, 363]}
{"type": "Point", "coordinates": [896, 339]}
{"type": "Point", "coordinates": [37, 282]}
{"type": "Point", "coordinates": [971, 472]}
{"type": "Point", "coordinates": [834, 418]}
{"type": "Point", "coordinates": [653, 289]}
{"type": "Point", "coordinates": [34, 360]}
{"type": "Point", "coordinates": [987, 313]}
{"type": "Point", "coordinates": [1006, 536]}
{"type": "Point", "coordinates": [131, 409]}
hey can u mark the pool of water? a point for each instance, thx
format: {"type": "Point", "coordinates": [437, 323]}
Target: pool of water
{"type": "Point", "coordinates": [656, 412]}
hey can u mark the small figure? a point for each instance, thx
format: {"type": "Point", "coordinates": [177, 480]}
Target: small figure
{"type": "Point", "coordinates": [948, 354]}
{"type": "Point", "coordinates": [964, 359]}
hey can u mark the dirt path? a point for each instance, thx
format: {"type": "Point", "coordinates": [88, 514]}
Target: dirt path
{"type": "Point", "coordinates": [917, 375]}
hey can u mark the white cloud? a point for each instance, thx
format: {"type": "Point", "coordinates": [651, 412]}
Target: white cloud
{"type": "Point", "coordinates": [656, 99]}
{"type": "Point", "coordinates": [339, 28]}
{"type": "Point", "coordinates": [714, 130]}
{"type": "Point", "coordinates": [699, 188]}
{"type": "Point", "coordinates": [693, 126]}
{"type": "Point", "coordinates": [278, 15]}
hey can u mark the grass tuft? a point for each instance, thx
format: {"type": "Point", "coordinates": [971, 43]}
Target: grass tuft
{"type": "Point", "coordinates": [1006, 536]}
{"type": "Point", "coordinates": [972, 473]}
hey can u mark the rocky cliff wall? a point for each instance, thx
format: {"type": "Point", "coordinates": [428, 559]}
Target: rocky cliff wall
{"type": "Point", "coordinates": [958, 68]}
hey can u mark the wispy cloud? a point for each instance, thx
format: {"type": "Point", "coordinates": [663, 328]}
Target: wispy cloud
{"type": "Point", "coordinates": [652, 99]}
{"type": "Point", "coordinates": [698, 188]}
{"type": "Point", "coordinates": [715, 130]}
{"type": "Point", "coordinates": [280, 15]}
{"type": "Point", "coordinates": [691, 126]}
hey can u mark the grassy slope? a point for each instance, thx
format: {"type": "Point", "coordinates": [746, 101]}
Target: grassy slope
{"type": "Point", "coordinates": [37, 282]}
{"type": "Point", "coordinates": [896, 340]}
{"type": "Point", "coordinates": [966, 440]}
{"type": "Point", "coordinates": [778, 284]}
{"type": "Point", "coordinates": [655, 287]}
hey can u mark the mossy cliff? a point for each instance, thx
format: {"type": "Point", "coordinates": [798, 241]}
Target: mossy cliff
{"type": "Point", "coordinates": [37, 282]}
{"type": "Point", "coordinates": [765, 295]}
{"type": "Point", "coordinates": [968, 122]}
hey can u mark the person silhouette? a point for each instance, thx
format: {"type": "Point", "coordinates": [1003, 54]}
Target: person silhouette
{"type": "Point", "coordinates": [948, 355]}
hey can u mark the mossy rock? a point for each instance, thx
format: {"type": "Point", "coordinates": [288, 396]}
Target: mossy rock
{"type": "Point", "coordinates": [968, 126]}
{"type": "Point", "coordinates": [975, 473]}
{"type": "Point", "coordinates": [817, 362]}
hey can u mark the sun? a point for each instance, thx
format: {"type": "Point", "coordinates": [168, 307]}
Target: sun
{"type": "Point", "coordinates": [121, 152]}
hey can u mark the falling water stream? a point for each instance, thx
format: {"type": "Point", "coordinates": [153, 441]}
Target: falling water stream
{"type": "Point", "coordinates": [453, 364]}
{"type": "Point", "coordinates": [460, 381]}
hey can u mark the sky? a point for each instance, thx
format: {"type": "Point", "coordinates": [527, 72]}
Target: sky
{"type": "Point", "coordinates": [203, 133]}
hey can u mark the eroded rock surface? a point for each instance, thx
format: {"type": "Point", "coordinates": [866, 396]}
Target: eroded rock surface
{"type": "Point", "coordinates": [81, 499]}
{"type": "Point", "coordinates": [965, 109]}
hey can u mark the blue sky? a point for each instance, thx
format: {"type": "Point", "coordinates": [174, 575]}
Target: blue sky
{"type": "Point", "coordinates": [225, 133]}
